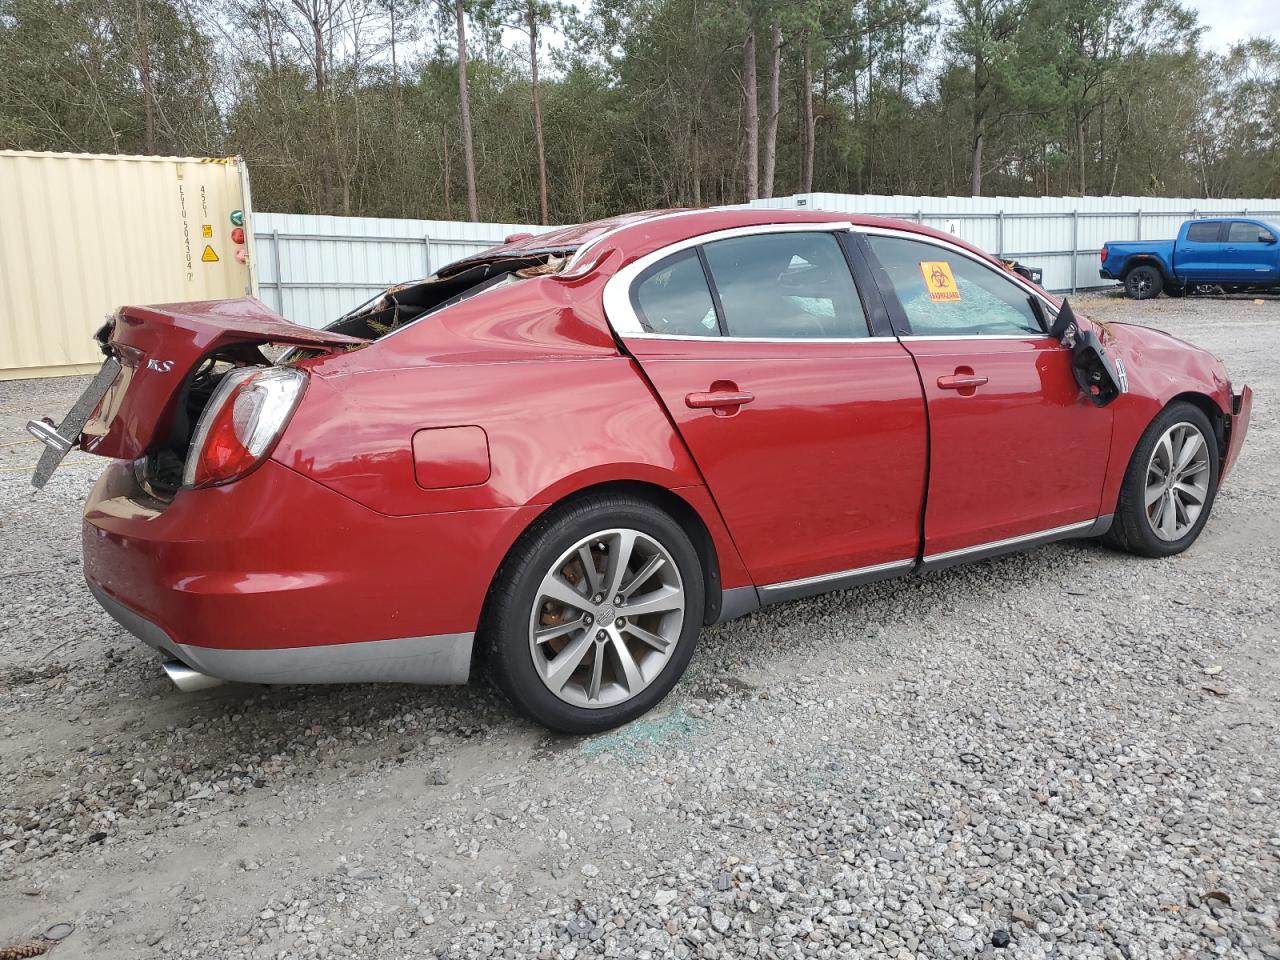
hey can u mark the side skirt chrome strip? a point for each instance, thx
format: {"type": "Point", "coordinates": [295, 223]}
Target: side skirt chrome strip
{"type": "Point", "coordinates": [843, 579]}
{"type": "Point", "coordinates": [981, 551]}
{"type": "Point", "coordinates": [840, 580]}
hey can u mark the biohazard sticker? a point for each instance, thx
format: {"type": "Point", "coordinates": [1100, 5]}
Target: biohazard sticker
{"type": "Point", "coordinates": [939, 281]}
{"type": "Point", "coordinates": [210, 257]}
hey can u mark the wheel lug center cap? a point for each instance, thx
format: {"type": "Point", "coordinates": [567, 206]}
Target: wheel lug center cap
{"type": "Point", "coordinates": [606, 613]}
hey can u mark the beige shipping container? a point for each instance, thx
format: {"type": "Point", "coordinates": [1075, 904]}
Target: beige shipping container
{"type": "Point", "coordinates": [83, 234]}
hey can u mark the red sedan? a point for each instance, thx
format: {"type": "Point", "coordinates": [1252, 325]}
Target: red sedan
{"type": "Point", "coordinates": [565, 456]}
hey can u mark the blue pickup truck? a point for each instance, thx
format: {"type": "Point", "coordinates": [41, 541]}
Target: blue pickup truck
{"type": "Point", "coordinates": [1234, 253]}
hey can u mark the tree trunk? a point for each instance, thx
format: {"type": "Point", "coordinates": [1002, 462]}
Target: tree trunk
{"type": "Point", "coordinates": [268, 25]}
{"type": "Point", "coordinates": [752, 112]}
{"type": "Point", "coordinates": [975, 172]}
{"type": "Point", "coordinates": [464, 96]}
{"type": "Point", "coordinates": [806, 120]}
{"type": "Point", "coordinates": [144, 69]}
{"type": "Point", "coordinates": [395, 63]}
{"type": "Point", "coordinates": [975, 169]}
{"type": "Point", "coordinates": [448, 174]}
{"type": "Point", "coordinates": [697, 168]}
{"type": "Point", "coordinates": [537, 116]}
{"type": "Point", "coordinates": [1080, 150]}
{"type": "Point", "coordinates": [317, 38]}
{"type": "Point", "coordinates": [771, 120]}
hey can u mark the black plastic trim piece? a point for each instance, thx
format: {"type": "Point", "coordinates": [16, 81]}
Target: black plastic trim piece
{"type": "Point", "coordinates": [736, 602]}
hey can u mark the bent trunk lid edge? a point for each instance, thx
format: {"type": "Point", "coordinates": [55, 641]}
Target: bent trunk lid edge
{"type": "Point", "coordinates": [159, 347]}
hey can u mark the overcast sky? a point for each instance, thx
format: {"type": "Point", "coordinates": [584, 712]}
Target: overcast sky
{"type": "Point", "coordinates": [1230, 21]}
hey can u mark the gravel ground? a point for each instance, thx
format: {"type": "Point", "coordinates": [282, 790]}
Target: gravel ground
{"type": "Point", "coordinates": [1071, 752]}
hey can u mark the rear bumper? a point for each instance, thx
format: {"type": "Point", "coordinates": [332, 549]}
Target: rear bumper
{"type": "Point", "coordinates": [1105, 274]}
{"type": "Point", "coordinates": [1241, 409]}
{"type": "Point", "coordinates": [442, 659]}
{"type": "Point", "coordinates": [276, 578]}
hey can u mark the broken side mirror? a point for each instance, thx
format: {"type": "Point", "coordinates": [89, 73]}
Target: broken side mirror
{"type": "Point", "coordinates": [1099, 377]}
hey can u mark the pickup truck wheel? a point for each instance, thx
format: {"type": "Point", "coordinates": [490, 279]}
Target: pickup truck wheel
{"type": "Point", "coordinates": [1143, 283]}
{"type": "Point", "coordinates": [595, 614]}
{"type": "Point", "coordinates": [1169, 486]}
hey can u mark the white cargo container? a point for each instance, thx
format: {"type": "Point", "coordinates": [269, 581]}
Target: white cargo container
{"type": "Point", "coordinates": [82, 234]}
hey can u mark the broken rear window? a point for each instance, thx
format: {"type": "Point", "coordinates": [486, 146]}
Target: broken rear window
{"type": "Point", "coordinates": [406, 303]}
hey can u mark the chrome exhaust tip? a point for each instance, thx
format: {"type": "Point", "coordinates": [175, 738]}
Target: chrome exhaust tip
{"type": "Point", "coordinates": [188, 680]}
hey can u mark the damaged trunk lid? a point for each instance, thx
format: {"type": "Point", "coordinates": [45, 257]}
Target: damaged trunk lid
{"type": "Point", "coordinates": [163, 363]}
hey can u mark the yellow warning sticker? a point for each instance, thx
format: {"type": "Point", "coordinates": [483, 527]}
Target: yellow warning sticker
{"type": "Point", "coordinates": [207, 230]}
{"type": "Point", "coordinates": [939, 281]}
{"type": "Point", "coordinates": [210, 257]}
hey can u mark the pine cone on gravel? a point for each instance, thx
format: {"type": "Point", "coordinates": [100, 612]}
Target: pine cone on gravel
{"type": "Point", "coordinates": [23, 950]}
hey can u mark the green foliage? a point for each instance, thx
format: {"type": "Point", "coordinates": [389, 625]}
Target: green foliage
{"type": "Point", "coordinates": [69, 77]}
{"type": "Point", "coordinates": [352, 106]}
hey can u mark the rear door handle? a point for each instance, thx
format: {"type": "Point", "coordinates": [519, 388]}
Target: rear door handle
{"type": "Point", "coordinates": [963, 380]}
{"type": "Point", "coordinates": [718, 398]}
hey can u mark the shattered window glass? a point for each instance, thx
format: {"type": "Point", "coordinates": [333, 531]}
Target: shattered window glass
{"type": "Point", "coordinates": [946, 294]}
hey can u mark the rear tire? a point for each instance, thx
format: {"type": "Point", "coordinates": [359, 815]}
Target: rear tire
{"type": "Point", "coordinates": [1170, 485]}
{"type": "Point", "coordinates": [1143, 282]}
{"type": "Point", "coordinates": [584, 663]}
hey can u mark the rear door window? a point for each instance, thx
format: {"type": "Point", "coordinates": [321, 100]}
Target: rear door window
{"type": "Point", "coordinates": [946, 294]}
{"type": "Point", "coordinates": [790, 285]}
{"type": "Point", "coordinates": [672, 298]}
{"type": "Point", "coordinates": [1204, 232]}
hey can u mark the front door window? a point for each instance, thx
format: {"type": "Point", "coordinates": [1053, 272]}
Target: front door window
{"type": "Point", "coordinates": [945, 294]}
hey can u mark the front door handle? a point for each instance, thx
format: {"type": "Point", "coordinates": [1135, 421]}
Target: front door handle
{"type": "Point", "coordinates": [960, 382]}
{"type": "Point", "coordinates": [963, 380]}
{"type": "Point", "coordinates": [720, 400]}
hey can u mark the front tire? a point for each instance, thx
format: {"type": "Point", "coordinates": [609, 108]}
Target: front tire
{"type": "Point", "coordinates": [1143, 282]}
{"type": "Point", "coordinates": [1169, 486]}
{"type": "Point", "coordinates": [595, 614]}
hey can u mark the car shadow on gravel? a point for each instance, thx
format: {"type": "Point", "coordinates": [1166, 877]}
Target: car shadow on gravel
{"type": "Point", "coordinates": [864, 618]}
{"type": "Point", "coordinates": [733, 661]}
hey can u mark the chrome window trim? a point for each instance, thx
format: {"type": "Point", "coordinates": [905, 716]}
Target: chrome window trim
{"type": "Point", "coordinates": [979, 336]}
{"type": "Point", "coordinates": [645, 335]}
{"type": "Point", "coordinates": [1022, 282]}
{"type": "Point", "coordinates": [617, 291]}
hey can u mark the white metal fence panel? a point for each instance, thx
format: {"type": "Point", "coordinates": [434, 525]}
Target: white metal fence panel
{"type": "Point", "coordinates": [1061, 235]}
{"type": "Point", "coordinates": [313, 269]}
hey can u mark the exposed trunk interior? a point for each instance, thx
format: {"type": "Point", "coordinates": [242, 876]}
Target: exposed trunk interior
{"type": "Point", "coordinates": [258, 337]}
{"type": "Point", "coordinates": [403, 304]}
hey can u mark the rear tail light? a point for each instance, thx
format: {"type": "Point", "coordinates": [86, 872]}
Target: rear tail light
{"type": "Point", "coordinates": [240, 426]}
{"type": "Point", "coordinates": [1102, 254]}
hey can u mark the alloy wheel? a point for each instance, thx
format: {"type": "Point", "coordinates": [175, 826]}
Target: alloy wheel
{"type": "Point", "coordinates": [606, 618]}
{"type": "Point", "coordinates": [1177, 481]}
